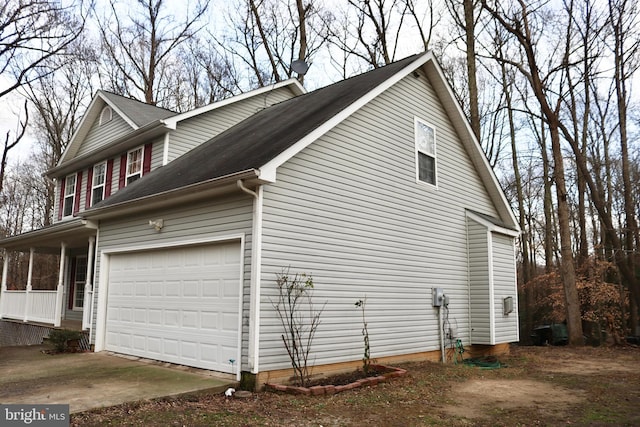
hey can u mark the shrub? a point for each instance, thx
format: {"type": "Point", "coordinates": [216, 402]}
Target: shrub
{"type": "Point", "coordinates": [299, 329]}
{"type": "Point", "coordinates": [60, 338]}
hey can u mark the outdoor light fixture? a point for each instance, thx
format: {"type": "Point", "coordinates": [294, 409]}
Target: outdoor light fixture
{"type": "Point", "coordinates": [157, 224]}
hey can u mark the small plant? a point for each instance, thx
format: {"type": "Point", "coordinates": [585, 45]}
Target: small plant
{"type": "Point", "coordinates": [299, 329]}
{"type": "Point", "coordinates": [60, 338]}
{"type": "Point", "coordinates": [366, 360]}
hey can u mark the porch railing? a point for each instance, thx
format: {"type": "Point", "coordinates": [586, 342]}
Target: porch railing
{"type": "Point", "coordinates": [35, 306]}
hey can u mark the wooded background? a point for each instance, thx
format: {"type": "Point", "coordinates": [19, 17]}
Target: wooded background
{"type": "Point", "coordinates": [547, 87]}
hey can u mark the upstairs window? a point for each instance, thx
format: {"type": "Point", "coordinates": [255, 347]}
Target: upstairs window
{"type": "Point", "coordinates": [69, 195]}
{"type": "Point", "coordinates": [425, 152]}
{"type": "Point", "coordinates": [106, 115]}
{"type": "Point", "coordinates": [134, 165]}
{"type": "Point", "coordinates": [98, 184]}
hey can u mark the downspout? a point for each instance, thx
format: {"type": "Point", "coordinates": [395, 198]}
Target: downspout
{"type": "Point", "coordinates": [256, 264]}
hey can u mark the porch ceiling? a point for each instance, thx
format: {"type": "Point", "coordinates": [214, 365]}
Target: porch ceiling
{"type": "Point", "coordinates": [73, 233]}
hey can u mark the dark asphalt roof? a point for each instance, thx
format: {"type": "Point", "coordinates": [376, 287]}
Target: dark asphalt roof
{"type": "Point", "coordinates": [258, 139]}
{"type": "Point", "coordinates": [139, 112]}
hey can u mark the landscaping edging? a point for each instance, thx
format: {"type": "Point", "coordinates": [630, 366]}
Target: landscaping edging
{"type": "Point", "coordinates": [319, 390]}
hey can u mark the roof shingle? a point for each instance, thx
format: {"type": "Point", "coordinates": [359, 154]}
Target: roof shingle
{"type": "Point", "coordinates": [258, 139]}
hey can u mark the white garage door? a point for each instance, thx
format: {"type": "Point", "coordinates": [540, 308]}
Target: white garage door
{"type": "Point", "coordinates": [179, 305]}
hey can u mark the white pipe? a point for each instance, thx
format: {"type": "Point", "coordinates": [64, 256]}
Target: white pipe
{"type": "Point", "coordinates": [441, 327]}
{"type": "Point", "coordinates": [256, 264]}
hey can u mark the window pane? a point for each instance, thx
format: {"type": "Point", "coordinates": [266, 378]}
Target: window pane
{"type": "Point", "coordinates": [97, 195]}
{"type": "Point", "coordinates": [426, 168]}
{"type": "Point", "coordinates": [98, 174]}
{"type": "Point", "coordinates": [68, 206]}
{"type": "Point", "coordinates": [134, 163]}
{"type": "Point", "coordinates": [132, 178]}
{"type": "Point", "coordinates": [426, 139]}
{"type": "Point", "coordinates": [70, 185]}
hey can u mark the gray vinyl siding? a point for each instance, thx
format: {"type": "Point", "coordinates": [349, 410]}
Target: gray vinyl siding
{"type": "Point", "coordinates": [157, 152]}
{"type": "Point", "coordinates": [101, 135]}
{"type": "Point", "coordinates": [479, 283]}
{"type": "Point", "coordinates": [504, 282]}
{"type": "Point", "coordinates": [220, 217]}
{"type": "Point", "coordinates": [348, 210]}
{"type": "Point", "coordinates": [194, 131]}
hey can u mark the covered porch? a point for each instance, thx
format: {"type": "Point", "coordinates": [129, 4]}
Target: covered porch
{"type": "Point", "coordinates": [64, 300]}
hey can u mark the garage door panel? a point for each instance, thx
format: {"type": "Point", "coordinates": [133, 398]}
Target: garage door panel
{"type": "Point", "coordinates": [176, 305]}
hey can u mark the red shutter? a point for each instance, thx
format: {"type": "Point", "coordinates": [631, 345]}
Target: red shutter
{"type": "Point", "coordinates": [87, 203]}
{"type": "Point", "coordinates": [108, 180]}
{"type": "Point", "coordinates": [63, 181]}
{"type": "Point", "coordinates": [146, 159]}
{"type": "Point", "coordinates": [123, 171]}
{"type": "Point", "coordinates": [76, 202]}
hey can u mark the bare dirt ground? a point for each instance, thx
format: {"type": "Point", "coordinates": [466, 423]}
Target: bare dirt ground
{"type": "Point", "coordinates": [548, 386]}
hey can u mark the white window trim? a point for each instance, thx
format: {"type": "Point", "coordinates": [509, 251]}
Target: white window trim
{"type": "Point", "coordinates": [418, 121]}
{"type": "Point", "coordinates": [104, 182]}
{"type": "Point", "coordinates": [72, 196]}
{"type": "Point", "coordinates": [127, 174]}
{"type": "Point", "coordinates": [106, 115]}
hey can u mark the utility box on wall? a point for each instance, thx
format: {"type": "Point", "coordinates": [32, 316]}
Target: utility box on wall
{"type": "Point", "coordinates": [437, 297]}
{"type": "Point", "coordinates": [507, 305]}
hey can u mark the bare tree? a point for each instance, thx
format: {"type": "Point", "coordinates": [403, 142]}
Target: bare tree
{"type": "Point", "coordinates": [140, 45]}
{"type": "Point", "coordinates": [32, 32]}
{"type": "Point", "coordinates": [466, 20]}
{"type": "Point", "coordinates": [59, 100]}
{"type": "Point", "coordinates": [374, 31]}
{"type": "Point", "coordinates": [269, 35]}
{"type": "Point", "coordinates": [520, 23]}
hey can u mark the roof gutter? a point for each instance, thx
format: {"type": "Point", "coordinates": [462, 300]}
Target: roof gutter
{"type": "Point", "coordinates": [53, 231]}
{"type": "Point", "coordinates": [201, 190]}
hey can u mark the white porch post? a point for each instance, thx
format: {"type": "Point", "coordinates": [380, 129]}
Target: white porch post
{"type": "Point", "coordinates": [88, 287]}
{"type": "Point", "coordinates": [59, 295]}
{"type": "Point", "coordinates": [27, 302]}
{"type": "Point", "coordinates": [3, 288]}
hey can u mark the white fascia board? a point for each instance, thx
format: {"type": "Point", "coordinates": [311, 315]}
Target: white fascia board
{"type": "Point", "coordinates": [268, 171]}
{"type": "Point", "coordinates": [493, 227]}
{"type": "Point", "coordinates": [296, 88]}
{"type": "Point", "coordinates": [448, 99]}
{"type": "Point", "coordinates": [91, 114]}
{"type": "Point", "coordinates": [87, 119]}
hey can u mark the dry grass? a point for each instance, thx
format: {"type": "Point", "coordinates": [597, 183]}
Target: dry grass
{"type": "Point", "coordinates": [537, 386]}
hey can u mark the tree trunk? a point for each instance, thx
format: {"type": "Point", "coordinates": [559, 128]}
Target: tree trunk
{"type": "Point", "coordinates": [471, 66]}
{"type": "Point", "coordinates": [567, 267]}
{"type": "Point", "coordinates": [548, 205]}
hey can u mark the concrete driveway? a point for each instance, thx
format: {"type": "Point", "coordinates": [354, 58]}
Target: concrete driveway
{"type": "Point", "coordinates": [93, 380]}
